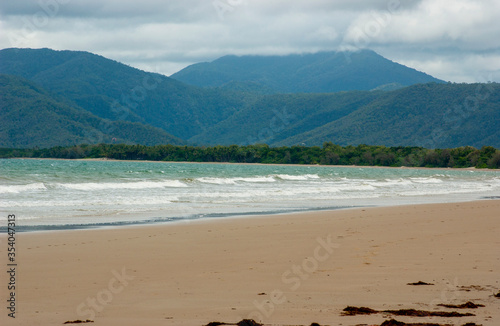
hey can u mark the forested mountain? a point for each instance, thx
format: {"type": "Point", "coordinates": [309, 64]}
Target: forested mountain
{"type": "Point", "coordinates": [323, 72]}
{"type": "Point", "coordinates": [71, 94]}
{"type": "Point", "coordinates": [429, 115]}
{"type": "Point", "coordinates": [115, 91]}
{"type": "Point", "coordinates": [274, 118]}
{"type": "Point", "coordinates": [31, 116]}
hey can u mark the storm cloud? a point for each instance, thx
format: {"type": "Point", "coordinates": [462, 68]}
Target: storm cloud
{"type": "Point", "coordinates": [455, 40]}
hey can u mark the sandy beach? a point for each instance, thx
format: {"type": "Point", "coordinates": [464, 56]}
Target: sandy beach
{"type": "Point", "coordinates": [280, 270]}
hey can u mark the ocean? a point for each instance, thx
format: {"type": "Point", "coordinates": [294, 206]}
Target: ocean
{"type": "Point", "coordinates": [65, 194]}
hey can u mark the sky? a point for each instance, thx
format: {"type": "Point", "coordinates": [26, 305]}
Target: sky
{"type": "Point", "coordinates": [454, 40]}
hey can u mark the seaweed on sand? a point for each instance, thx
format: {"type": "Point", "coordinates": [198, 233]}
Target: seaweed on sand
{"type": "Point", "coordinates": [352, 311]}
{"type": "Point", "coordinates": [467, 305]}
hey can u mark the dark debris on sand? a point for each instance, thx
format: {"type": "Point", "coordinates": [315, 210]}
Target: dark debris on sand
{"type": "Point", "coordinates": [420, 283]}
{"type": "Point", "coordinates": [467, 305]}
{"type": "Point", "coordinates": [79, 321]}
{"type": "Point", "coordinates": [497, 295]}
{"type": "Point", "coordinates": [244, 322]}
{"type": "Point", "coordinates": [423, 313]}
{"type": "Point", "coordinates": [469, 288]}
{"type": "Point", "coordinates": [393, 322]}
{"type": "Point", "coordinates": [248, 322]}
{"type": "Point", "coordinates": [352, 311]}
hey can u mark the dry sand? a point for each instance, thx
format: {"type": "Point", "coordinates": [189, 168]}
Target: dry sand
{"type": "Point", "coordinates": [287, 269]}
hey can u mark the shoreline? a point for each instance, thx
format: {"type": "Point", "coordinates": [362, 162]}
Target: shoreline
{"type": "Point", "coordinates": [218, 217]}
{"type": "Point", "coordinates": [256, 164]}
{"type": "Point", "coordinates": [181, 220]}
{"type": "Point", "coordinates": [285, 269]}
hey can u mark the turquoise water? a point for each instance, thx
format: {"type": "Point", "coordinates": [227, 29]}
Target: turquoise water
{"type": "Point", "coordinates": [63, 193]}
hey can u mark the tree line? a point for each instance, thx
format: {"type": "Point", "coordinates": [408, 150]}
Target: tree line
{"type": "Point", "coordinates": [328, 154]}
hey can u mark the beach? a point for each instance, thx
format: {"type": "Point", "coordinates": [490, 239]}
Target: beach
{"type": "Point", "coordinates": [288, 269]}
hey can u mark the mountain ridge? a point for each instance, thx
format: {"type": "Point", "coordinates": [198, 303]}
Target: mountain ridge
{"type": "Point", "coordinates": [115, 91]}
{"type": "Point", "coordinates": [321, 72]}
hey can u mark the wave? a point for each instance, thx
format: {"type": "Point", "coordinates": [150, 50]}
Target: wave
{"type": "Point", "coordinates": [225, 181]}
{"type": "Point", "coordinates": [426, 180]}
{"type": "Point", "coordinates": [141, 201]}
{"type": "Point", "coordinates": [297, 177]}
{"type": "Point", "coordinates": [257, 179]}
{"type": "Point", "coordinates": [123, 185]}
{"type": "Point", "coordinates": [355, 187]}
{"type": "Point", "coordinates": [15, 189]}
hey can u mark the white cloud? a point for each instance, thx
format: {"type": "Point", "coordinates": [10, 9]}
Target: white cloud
{"type": "Point", "coordinates": [469, 69]}
{"type": "Point", "coordinates": [452, 39]}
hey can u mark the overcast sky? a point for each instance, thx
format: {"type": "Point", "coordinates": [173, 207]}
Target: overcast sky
{"type": "Point", "coordinates": [455, 40]}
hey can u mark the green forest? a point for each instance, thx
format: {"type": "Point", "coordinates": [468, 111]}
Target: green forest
{"type": "Point", "coordinates": [328, 154]}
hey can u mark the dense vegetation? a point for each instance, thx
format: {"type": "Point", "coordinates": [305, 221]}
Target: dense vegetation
{"type": "Point", "coordinates": [30, 116]}
{"type": "Point", "coordinates": [426, 115]}
{"type": "Point", "coordinates": [71, 95]}
{"type": "Point", "coordinates": [111, 90]}
{"type": "Point", "coordinates": [323, 72]}
{"type": "Point", "coordinates": [328, 154]}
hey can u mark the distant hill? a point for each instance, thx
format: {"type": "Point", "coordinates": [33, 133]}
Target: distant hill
{"type": "Point", "coordinates": [323, 72]}
{"type": "Point", "coordinates": [115, 91]}
{"type": "Point", "coordinates": [274, 118]}
{"type": "Point", "coordinates": [30, 116]}
{"type": "Point", "coordinates": [431, 115]}
{"type": "Point", "coordinates": [428, 115]}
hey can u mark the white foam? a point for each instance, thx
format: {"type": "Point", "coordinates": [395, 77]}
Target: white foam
{"type": "Point", "coordinates": [297, 177]}
{"type": "Point", "coordinates": [89, 186]}
{"type": "Point", "coordinates": [256, 179]}
{"type": "Point", "coordinates": [218, 181]}
{"type": "Point", "coordinates": [356, 187]}
{"type": "Point", "coordinates": [27, 217]}
{"type": "Point", "coordinates": [390, 182]}
{"type": "Point", "coordinates": [426, 180]}
{"type": "Point", "coordinates": [225, 181]}
{"type": "Point", "coordinates": [22, 188]}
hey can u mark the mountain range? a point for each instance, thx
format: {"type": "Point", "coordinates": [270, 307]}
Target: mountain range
{"type": "Point", "coordinates": [55, 98]}
{"type": "Point", "coordinates": [323, 72]}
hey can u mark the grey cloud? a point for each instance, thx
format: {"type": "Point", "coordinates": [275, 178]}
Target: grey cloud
{"type": "Point", "coordinates": [168, 35]}
{"type": "Point", "coordinates": [280, 6]}
{"type": "Point", "coordinates": [186, 10]}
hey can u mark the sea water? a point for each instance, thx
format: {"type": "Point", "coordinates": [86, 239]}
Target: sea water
{"type": "Point", "coordinates": [55, 194]}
